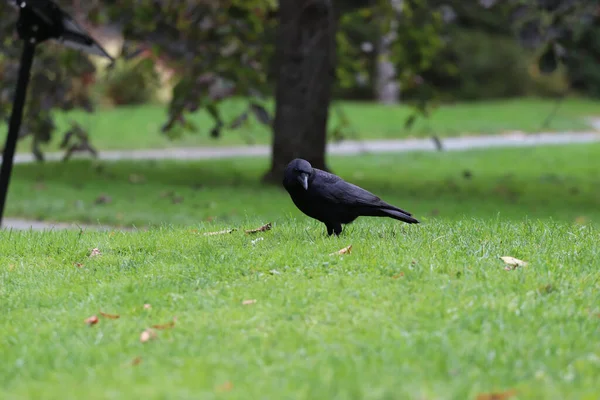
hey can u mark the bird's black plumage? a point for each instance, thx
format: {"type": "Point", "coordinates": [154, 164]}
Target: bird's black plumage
{"type": "Point", "coordinates": [333, 201]}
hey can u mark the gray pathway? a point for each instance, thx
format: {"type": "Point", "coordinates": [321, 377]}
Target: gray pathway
{"type": "Point", "coordinates": [514, 139]}
{"type": "Point", "coordinates": [349, 147]}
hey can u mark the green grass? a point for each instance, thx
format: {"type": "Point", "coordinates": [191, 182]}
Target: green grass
{"type": "Point", "coordinates": [139, 127]}
{"type": "Point", "coordinates": [413, 312]}
{"type": "Point", "coordinates": [561, 182]}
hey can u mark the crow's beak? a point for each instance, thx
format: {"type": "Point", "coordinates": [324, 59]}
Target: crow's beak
{"type": "Point", "coordinates": [303, 178]}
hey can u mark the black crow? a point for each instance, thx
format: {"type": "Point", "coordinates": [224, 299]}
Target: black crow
{"type": "Point", "coordinates": [333, 201]}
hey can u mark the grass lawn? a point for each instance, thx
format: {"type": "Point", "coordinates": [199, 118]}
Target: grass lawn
{"type": "Point", "coordinates": [562, 182]}
{"type": "Point", "coordinates": [139, 127]}
{"type": "Point", "coordinates": [413, 312]}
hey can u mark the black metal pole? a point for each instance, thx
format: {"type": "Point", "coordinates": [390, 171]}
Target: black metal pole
{"type": "Point", "coordinates": [15, 122]}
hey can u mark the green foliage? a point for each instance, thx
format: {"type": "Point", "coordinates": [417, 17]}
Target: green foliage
{"type": "Point", "coordinates": [584, 61]}
{"type": "Point", "coordinates": [555, 26]}
{"type": "Point", "coordinates": [131, 82]}
{"type": "Point", "coordinates": [60, 79]}
{"type": "Point", "coordinates": [489, 66]}
{"type": "Point", "coordinates": [210, 46]}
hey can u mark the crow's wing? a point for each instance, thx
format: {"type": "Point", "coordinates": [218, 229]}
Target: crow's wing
{"type": "Point", "coordinates": [336, 190]}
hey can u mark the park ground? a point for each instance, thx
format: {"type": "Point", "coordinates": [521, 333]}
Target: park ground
{"type": "Point", "coordinates": [139, 127]}
{"type": "Point", "coordinates": [425, 311]}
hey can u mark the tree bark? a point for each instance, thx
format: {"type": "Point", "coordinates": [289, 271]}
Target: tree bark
{"type": "Point", "coordinates": [387, 89]}
{"type": "Point", "coordinates": [305, 71]}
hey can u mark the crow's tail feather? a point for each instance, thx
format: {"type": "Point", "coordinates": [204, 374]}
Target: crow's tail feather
{"type": "Point", "coordinates": [400, 216]}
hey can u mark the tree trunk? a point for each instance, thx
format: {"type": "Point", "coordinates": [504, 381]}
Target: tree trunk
{"type": "Point", "coordinates": [387, 89]}
{"type": "Point", "coordinates": [305, 72]}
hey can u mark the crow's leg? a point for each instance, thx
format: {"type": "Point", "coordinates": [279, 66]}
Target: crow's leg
{"type": "Point", "coordinates": [329, 229]}
{"type": "Point", "coordinates": [335, 227]}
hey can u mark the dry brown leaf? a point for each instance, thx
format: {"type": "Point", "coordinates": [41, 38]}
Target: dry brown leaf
{"type": "Point", "coordinates": [266, 227]}
{"type": "Point", "coordinates": [497, 396]}
{"type": "Point", "coordinates": [345, 250]}
{"type": "Point", "coordinates": [512, 263]}
{"type": "Point", "coordinates": [400, 275]}
{"type": "Point", "coordinates": [109, 316]}
{"type": "Point", "coordinates": [168, 325]}
{"type": "Point", "coordinates": [95, 252]}
{"type": "Point", "coordinates": [146, 335]}
{"type": "Point", "coordinates": [135, 178]}
{"type": "Point", "coordinates": [93, 320]}
{"type": "Point", "coordinates": [219, 232]}
{"type": "Point", "coordinates": [136, 361]}
{"type": "Point", "coordinates": [147, 306]}
{"type": "Point", "coordinates": [225, 387]}
{"type": "Point", "coordinates": [103, 199]}
{"type": "Point", "coordinates": [78, 265]}
{"type": "Point", "coordinates": [248, 302]}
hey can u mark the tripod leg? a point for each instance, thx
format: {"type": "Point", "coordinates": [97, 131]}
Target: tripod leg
{"type": "Point", "coordinates": [15, 122]}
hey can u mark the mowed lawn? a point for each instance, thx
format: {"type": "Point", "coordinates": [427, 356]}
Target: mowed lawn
{"type": "Point", "coordinates": [139, 127]}
{"type": "Point", "coordinates": [413, 311]}
{"type": "Point", "coordinates": [558, 182]}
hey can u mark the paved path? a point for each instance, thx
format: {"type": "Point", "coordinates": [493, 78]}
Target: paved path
{"type": "Point", "coordinates": [342, 148]}
{"type": "Point", "coordinates": [349, 147]}
{"type": "Point", "coordinates": [22, 224]}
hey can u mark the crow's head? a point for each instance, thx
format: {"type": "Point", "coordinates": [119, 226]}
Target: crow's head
{"type": "Point", "coordinates": [297, 172]}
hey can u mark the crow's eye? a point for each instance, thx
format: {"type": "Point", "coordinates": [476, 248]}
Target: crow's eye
{"type": "Point", "coordinates": [296, 170]}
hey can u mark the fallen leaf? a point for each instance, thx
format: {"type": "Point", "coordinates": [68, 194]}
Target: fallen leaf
{"type": "Point", "coordinates": [136, 361]}
{"type": "Point", "coordinates": [512, 263]}
{"type": "Point", "coordinates": [147, 306]}
{"type": "Point", "coordinates": [345, 250]}
{"type": "Point", "coordinates": [147, 335]}
{"type": "Point", "coordinates": [226, 387]}
{"type": "Point", "coordinates": [497, 396]}
{"type": "Point", "coordinates": [93, 320]}
{"type": "Point", "coordinates": [248, 302]}
{"type": "Point", "coordinates": [219, 232]}
{"type": "Point", "coordinates": [266, 227]}
{"type": "Point", "coordinates": [168, 325]}
{"type": "Point", "coordinates": [103, 199]}
{"type": "Point", "coordinates": [581, 220]}
{"type": "Point", "coordinates": [135, 178]}
{"type": "Point", "coordinates": [400, 275]}
{"type": "Point", "coordinates": [95, 252]}
{"type": "Point", "coordinates": [78, 265]}
{"type": "Point", "coordinates": [109, 316]}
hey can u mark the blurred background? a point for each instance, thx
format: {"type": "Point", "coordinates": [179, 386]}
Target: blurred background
{"type": "Point", "coordinates": [294, 75]}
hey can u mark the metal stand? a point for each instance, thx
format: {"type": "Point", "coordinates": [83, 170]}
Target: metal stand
{"type": "Point", "coordinates": [39, 20]}
{"type": "Point", "coordinates": [15, 122]}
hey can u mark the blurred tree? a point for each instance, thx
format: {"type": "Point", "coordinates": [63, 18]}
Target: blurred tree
{"type": "Point", "coordinates": [553, 26]}
{"type": "Point", "coordinates": [60, 79]}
